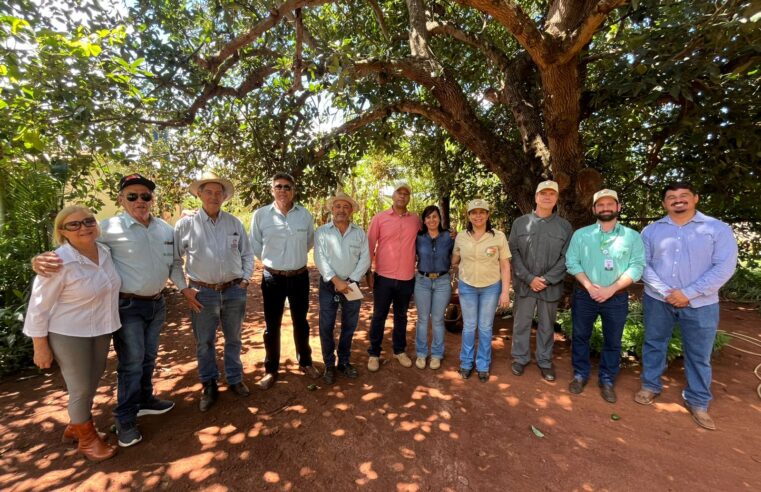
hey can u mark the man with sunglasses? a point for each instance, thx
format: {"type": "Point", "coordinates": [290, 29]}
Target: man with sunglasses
{"type": "Point", "coordinates": [281, 235]}
{"type": "Point", "coordinates": [142, 248]}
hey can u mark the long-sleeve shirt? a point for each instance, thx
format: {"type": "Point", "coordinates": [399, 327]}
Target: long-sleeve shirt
{"type": "Point", "coordinates": [480, 259]}
{"type": "Point", "coordinates": [538, 245]}
{"type": "Point", "coordinates": [217, 251]}
{"type": "Point", "coordinates": [144, 256]}
{"type": "Point", "coordinates": [696, 258]}
{"type": "Point", "coordinates": [591, 248]}
{"type": "Point", "coordinates": [434, 254]}
{"type": "Point", "coordinates": [282, 241]}
{"type": "Point", "coordinates": [392, 244]}
{"type": "Point", "coordinates": [82, 300]}
{"type": "Point", "coordinates": [344, 255]}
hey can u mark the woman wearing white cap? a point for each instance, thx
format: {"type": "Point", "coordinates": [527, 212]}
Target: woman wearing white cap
{"type": "Point", "coordinates": [483, 256]}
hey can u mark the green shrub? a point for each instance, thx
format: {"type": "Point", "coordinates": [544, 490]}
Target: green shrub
{"type": "Point", "coordinates": [634, 334]}
{"type": "Point", "coordinates": [744, 286]}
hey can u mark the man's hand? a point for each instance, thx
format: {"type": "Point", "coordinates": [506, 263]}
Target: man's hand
{"type": "Point", "coordinates": [370, 279]}
{"type": "Point", "coordinates": [341, 285]}
{"type": "Point", "coordinates": [602, 294]}
{"type": "Point", "coordinates": [538, 284]}
{"type": "Point", "coordinates": [46, 264]}
{"type": "Point", "coordinates": [677, 299]}
{"type": "Point", "coordinates": [190, 295]}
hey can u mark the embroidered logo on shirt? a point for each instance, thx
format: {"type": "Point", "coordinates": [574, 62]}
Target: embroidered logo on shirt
{"type": "Point", "coordinates": [491, 251]}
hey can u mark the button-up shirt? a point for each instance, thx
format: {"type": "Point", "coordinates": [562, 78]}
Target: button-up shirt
{"type": "Point", "coordinates": [282, 241]}
{"type": "Point", "coordinates": [82, 300]}
{"type": "Point", "coordinates": [479, 259]}
{"type": "Point", "coordinates": [145, 257]}
{"type": "Point", "coordinates": [696, 258]}
{"type": "Point", "coordinates": [538, 245]}
{"type": "Point", "coordinates": [434, 254]}
{"type": "Point", "coordinates": [344, 255]}
{"type": "Point", "coordinates": [591, 248]}
{"type": "Point", "coordinates": [217, 251]}
{"type": "Point", "coordinates": [392, 244]}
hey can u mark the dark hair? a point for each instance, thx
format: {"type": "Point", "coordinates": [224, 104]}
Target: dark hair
{"type": "Point", "coordinates": [426, 212]}
{"type": "Point", "coordinates": [679, 185]}
{"type": "Point", "coordinates": [489, 228]}
{"type": "Point", "coordinates": [284, 176]}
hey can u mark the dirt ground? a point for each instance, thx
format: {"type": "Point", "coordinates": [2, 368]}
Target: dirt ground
{"type": "Point", "coordinates": [398, 429]}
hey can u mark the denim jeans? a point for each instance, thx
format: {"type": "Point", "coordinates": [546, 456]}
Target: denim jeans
{"type": "Point", "coordinates": [329, 303]}
{"type": "Point", "coordinates": [479, 306]}
{"type": "Point", "coordinates": [385, 292]}
{"type": "Point", "coordinates": [698, 327]}
{"type": "Point", "coordinates": [275, 289]}
{"type": "Point", "coordinates": [432, 295]}
{"type": "Point", "coordinates": [227, 309]}
{"type": "Point", "coordinates": [136, 344]}
{"type": "Point", "coordinates": [584, 312]}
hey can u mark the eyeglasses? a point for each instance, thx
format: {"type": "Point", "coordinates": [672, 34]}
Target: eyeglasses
{"type": "Point", "coordinates": [282, 187]}
{"type": "Point", "coordinates": [76, 225]}
{"type": "Point", "coordinates": [146, 197]}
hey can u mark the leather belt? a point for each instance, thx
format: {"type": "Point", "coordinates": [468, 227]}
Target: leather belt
{"type": "Point", "coordinates": [218, 287]}
{"type": "Point", "coordinates": [433, 274]}
{"type": "Point", "coordinates": [286, 273]}
{"type": "Point", "coordinates": [123, 295]}
{"type": "Point", "coordinates": [621, 291]}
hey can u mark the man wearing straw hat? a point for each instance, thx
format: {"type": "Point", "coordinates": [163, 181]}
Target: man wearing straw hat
{"type": "Point", "coordinates": [342, 256]}
{"type": "Point", "coordinates": [219, 263]}
{"type": "Point", "coordinates": [689, 256]}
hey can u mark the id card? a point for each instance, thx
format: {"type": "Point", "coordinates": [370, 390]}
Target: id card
{"type": "Point", "coordinates": [608, 265]}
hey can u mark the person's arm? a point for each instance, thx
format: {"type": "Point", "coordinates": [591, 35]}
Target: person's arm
{"type": "Point", "coordinates": [649, 276]}
{"type": "Point", "coordinates": [46, 264]}
{"type": "Point", "coordinates": [246, 255]}
{"type": "Point", "coordinates": [321, 256]}
{"type": "Point", "coordinates": [372, 242]}
{"type": "Point", "coordinates": [631, 275]}
{"type": "Point", "coordinates": [256, 234]}
{"type": "Point", "coordinates": [43, 355]}
{"type": "Point", "coordinates": [504, 296]}
{"type": "Point", "coordinates": [364, 261]}
{"type": "Point", "coordinates": [44, 295]}
{"type": "Point", "coordinates": [724, 261]}
{"type": "Point", "coordinates": [189, 293]}
{"type": "Point", "coordinates": [557, 271]}
{"type": "Point", "coordinates": [310, 232]}
{"type": "Point", "coordinates": [519, 268]}
{"type": "Point", "coordinates": [573, 260]}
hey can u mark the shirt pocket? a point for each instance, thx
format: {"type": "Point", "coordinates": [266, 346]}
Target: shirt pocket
{"type": "Point", "coordinates": [233, 240]}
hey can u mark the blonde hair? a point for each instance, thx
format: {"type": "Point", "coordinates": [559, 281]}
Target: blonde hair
{"type": "Point", "coordinates": [65, 212]}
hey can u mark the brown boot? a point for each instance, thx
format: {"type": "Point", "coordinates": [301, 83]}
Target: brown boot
{"type": "Point", "coordinates": [69, 437]}
{"type": "Point", "coordinates": [90, 443]}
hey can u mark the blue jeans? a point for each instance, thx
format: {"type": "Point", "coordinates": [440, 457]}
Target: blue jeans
{"type": "Point", "coordinates": [584, 312]}
{"type": "Point", "coordinates": [478, 305]}
{"type": "Point", "coordinates": [385, 292]}
{"type": "Point", "coordinates": [136, 344]}
{"type": "Point", "coordinates": [432, 296]}
{"type": "Point", "coordinates": [329, 303]}
{"type": "Point", "coordinates": [225, 308]}
{"type": "Point", "coordinates": [698, 327]}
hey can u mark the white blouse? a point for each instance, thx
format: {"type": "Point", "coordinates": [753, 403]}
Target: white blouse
{"type": "Point", "coordinates": [81, 300]}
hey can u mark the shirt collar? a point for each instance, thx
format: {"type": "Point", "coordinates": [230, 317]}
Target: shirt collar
{"type": "Point", "coordinates": [546, 219]}
{"type": "Point", "coordinates": [698, 217]}
{"type": "Point", "coordinates": [391, 212]}
{"type": "Point", "coordinates": [276, 210]}
{"type": "Point", "coordinates": [615, 229]}
{"type": "Point", "coordinates": [129, 220]}
{"type": "Point", "coordinates": [205, 217]}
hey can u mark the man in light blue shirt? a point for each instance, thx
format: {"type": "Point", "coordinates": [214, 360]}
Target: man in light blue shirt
{"type": "Point", "coordinates": [219, 262]}
{"type": "Point", "coordinates": [281, 235]}
{"type": "Point", "coordinates": [690, 256]}
{"type": "Point", "coordinates": [342, 255]}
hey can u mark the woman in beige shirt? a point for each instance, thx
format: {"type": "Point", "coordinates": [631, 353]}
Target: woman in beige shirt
{"type": "Point", "coordinates": [483, 257]}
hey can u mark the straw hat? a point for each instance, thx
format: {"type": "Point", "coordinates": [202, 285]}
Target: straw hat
{"type": "Point", "coordinates": [209, 177]}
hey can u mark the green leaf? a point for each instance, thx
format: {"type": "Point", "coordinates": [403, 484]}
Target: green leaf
{"type": "Point", "coordinates": [537, 432]}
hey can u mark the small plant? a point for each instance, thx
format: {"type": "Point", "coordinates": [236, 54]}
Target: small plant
{"type": "Point", "coordinates": [744, 286]}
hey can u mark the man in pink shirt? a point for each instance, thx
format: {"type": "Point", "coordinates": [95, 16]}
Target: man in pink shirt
{"type": "Point", "coordinates": [391, 238]}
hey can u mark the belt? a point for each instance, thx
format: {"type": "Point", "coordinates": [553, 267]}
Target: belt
{"type": "Point", "coordinates": [622, 291]}
{"type": "Point", "coordinates": [286, 273]}
{"type": "Point", "coordinates": [218, 287]}
{"type": "Point", "coordinates": [123, 295]}
{"type": "Point", "coordinates": [433, 274]}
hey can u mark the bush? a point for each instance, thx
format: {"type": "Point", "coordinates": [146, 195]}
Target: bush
{"type": "Point", "coordinates": [744, 286]}
{"type": "Point", "coordinates": [634, 334]}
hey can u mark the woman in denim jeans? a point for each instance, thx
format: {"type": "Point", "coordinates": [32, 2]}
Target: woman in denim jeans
{"type": "Point", "coordinates": [433, 290]}
{"type": "Point", "coordinates": [483, 256]}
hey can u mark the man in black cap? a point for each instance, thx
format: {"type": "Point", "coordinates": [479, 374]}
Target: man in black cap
{"type": "Point", "coordinates": [142, 248]}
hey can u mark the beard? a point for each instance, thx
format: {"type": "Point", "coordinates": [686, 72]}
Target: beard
{"type": "Point", "coordinates": [606, 217]}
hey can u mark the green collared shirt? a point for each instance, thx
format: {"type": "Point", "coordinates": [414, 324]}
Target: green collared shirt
{"type": "Point", "coordinates": [591, 249]}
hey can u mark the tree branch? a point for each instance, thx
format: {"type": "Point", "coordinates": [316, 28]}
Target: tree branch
{"type": "Point", "coordinates": [379, 17]}
{"type": "Point", "coordinates": [589, 26]}
{"type": "Point", "coordinates": [489, 50]}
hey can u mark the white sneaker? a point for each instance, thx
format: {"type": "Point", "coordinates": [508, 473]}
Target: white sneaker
{"type": "Point", "coordinates": [373, 364]}
{"type": "Point", "coordinates": [420, 362]}
{"type": "Point", "coordinates": [435, 363]}
{"type": "Point", "coordinates": [403, 360]}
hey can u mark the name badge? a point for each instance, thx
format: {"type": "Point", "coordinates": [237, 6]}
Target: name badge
{"type": "Point", "coordinates": [608, 265]}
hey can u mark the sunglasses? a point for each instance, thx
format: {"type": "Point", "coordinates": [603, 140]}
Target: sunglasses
{"type": "Point", "coordinates": [146, 197]}
{"type": "Point", "coordinates": [76, 225]}
{"type": "Point", "coordinates": [282, 187]}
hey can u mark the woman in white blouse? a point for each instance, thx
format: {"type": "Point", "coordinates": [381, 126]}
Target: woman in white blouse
{"type": "Point", "coordinates": [71, 317]}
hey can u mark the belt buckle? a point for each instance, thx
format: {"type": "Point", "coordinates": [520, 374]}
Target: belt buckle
{"type": "Point", "coordinates": [433, 275]}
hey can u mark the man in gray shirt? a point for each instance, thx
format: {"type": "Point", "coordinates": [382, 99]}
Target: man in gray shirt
{"type": "Point", "coordinates": [538, 242]}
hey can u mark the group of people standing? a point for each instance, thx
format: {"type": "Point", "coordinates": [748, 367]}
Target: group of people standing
{"type": "Point", "coordinates": [108, 280]}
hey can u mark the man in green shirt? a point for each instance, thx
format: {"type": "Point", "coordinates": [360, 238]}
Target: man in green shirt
{"type": "Point", "coordinates": [606, 258]}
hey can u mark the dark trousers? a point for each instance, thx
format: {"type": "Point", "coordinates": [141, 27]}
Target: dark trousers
{"type": "Point", "coordinates": [387, 291]}
{"type": "Point", "coordinates": [330, 300]}
{"type": "Point", "coordinates": [275, 289]}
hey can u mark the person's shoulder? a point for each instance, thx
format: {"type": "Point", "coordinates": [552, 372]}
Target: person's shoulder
{"type": "Point", "coordinates": [66, 253]}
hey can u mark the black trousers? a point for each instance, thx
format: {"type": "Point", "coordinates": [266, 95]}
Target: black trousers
{"type": "Point", "coordinates": [387, 291]}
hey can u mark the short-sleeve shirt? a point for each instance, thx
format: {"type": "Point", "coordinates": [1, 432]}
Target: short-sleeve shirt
{"type": "Point", "coordinates": [479, 259]}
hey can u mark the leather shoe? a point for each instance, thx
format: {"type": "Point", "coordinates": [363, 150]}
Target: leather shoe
{"type": "Point", "coordinates": [483, 376]}
{"type": "Point", "coordinates": [465, 373]}
{"type": "Point", "coordinates": [548, 373]}
{"type": "Point", "coordinates": [645, 397]}
{"type": "Point", "coordinates": [517, 368]}
{"type": "Point", "coordinates": [701, 417]}
{"type": "Point", "coordinates": [209, 396]}
{"type": "Point", "coordinates": [330, 376]}
{"type": "Point", "coordinates": [310, 371]}
{"type": "Point", "coordinates": [267, 381]}
{"type": "Point", "coordinates": [240, 389]}
{"type": "Point", "coordinates": [608, 393]}
{"type": "Point", "coordinates": [577, 386]}
{"type": "Point", "coordinates": [348, 370]}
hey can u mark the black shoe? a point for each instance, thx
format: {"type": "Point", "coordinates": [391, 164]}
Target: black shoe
{"type": "Point", "coordinates": [483, 376]}
{"type": "Point", "coordinates": [128, 433]}
{"type": "Point", "coordinates": [240, 389]}
{"type": "Point", "coordinates": [577, 386]}
{"type": "Point", "coordinates": [209, 396]}
{"type": "Point", "coordinates": [348, 370]}
{"type": "Point", "coordinates": [608, 393]}
{"type": "Point", "coordinates": [548, 373]}
{"type": "Point", "coordinates": [329, 377]}
{"type": "Point", "coordinates": [154, 406]}
{"type": "Point", "coordinates": [465, 373]}
{"type": "Point", "coordinates": [517, 368]}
